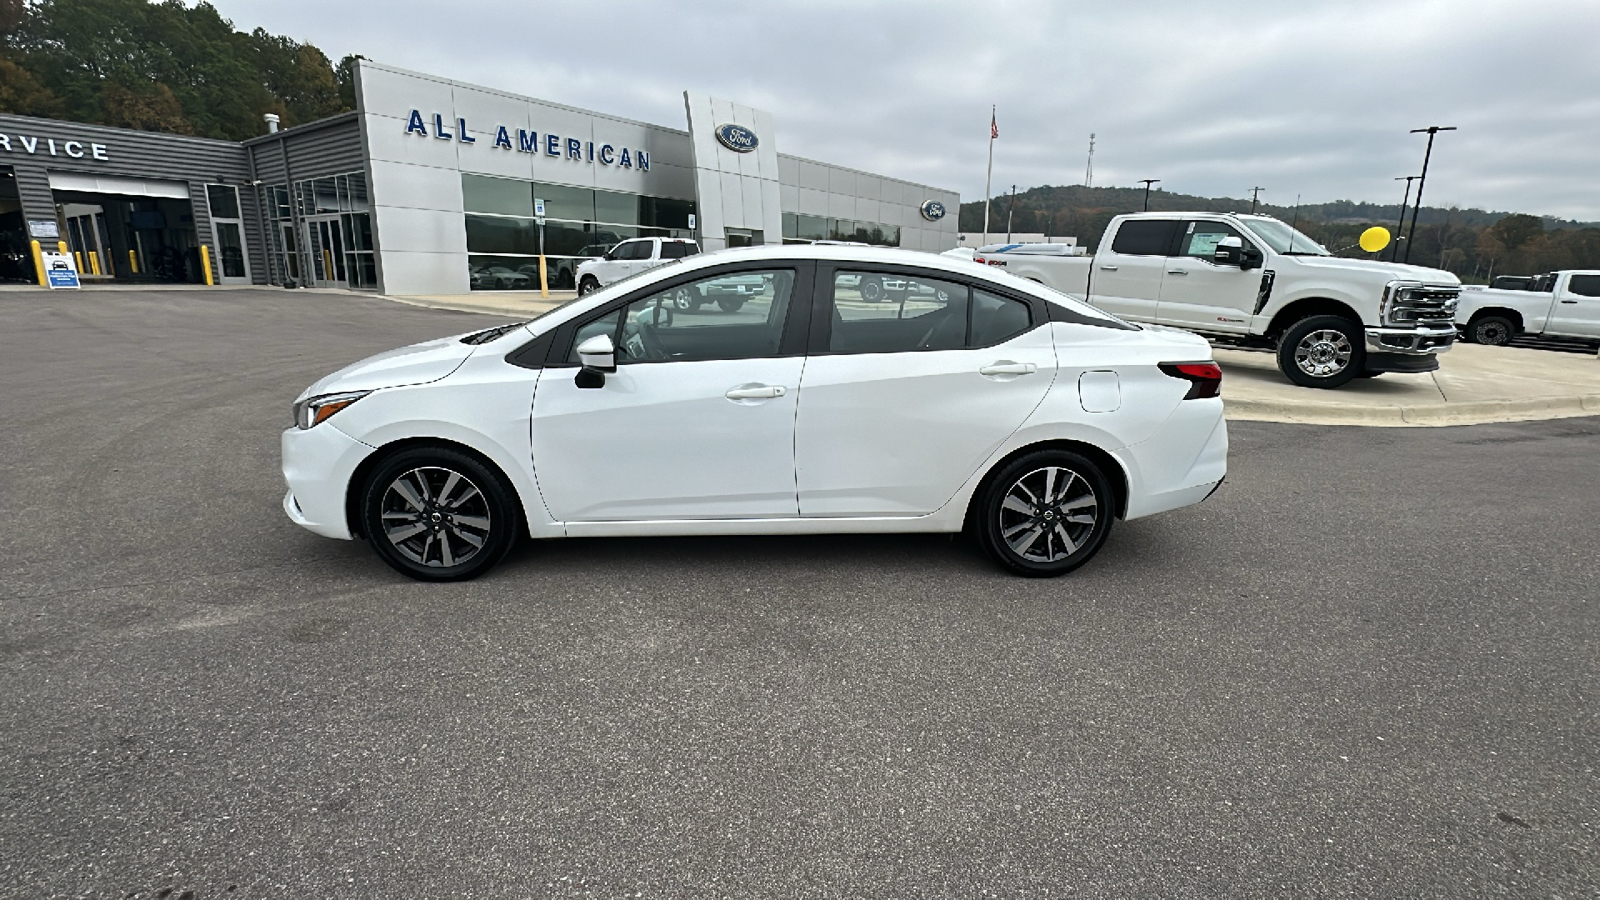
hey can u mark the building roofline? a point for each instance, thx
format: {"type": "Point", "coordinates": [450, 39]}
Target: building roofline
{"type": "Point", "coordinates": [349, 115]}
{"type": "Point", "coordinates": [119, 130]}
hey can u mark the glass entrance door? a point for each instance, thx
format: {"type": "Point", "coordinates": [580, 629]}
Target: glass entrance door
{"type": "Point", "coordinates": [87, 239]}
{"type": "Point", "coordinates": [327, 251]}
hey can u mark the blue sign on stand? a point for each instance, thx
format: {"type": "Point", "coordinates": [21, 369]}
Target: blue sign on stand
{"type": "Point", "coordinates": [60, 271]}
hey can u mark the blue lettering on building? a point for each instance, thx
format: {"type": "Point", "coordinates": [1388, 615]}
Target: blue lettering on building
{"type": "Point", "coordinates": [530, 142]}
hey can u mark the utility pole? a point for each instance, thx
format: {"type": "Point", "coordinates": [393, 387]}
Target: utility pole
{"type": "Point", "coordinates": [1088, 169]}
{"type": "Point", "coordinates": [1422, 180]}
{"type": "Point", "coordinates": [1009, 211]}
{"type": "Point", "coordinates": [994, 132]}
{"type": "Point", "coordinates": [1401, 225]}
{"type": "Point", "coordinates": [1147, 182]}
{"type": "Point", "coordinates": [1254, 192]}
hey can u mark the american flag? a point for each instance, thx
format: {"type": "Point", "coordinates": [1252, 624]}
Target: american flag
{"type": "Point", "coordinates": [994, 127]}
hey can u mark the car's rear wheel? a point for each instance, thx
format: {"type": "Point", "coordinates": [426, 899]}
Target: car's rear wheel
{"type": "Point", "coordinates": [685, 300]}
{"type": "Point", "coordinates": [871, 290]}
{"type": "Point", "coordinates": [1495, 331]}
{"type": "Point", "coordinates": [1045, 513]}
{"type": "Point", "coordinates": [1322, 351]}
{"type": "Point", "coordinates": [588, 285]}
{"type": "Point", "coordinates": [438, 514]}
{"type": "Point", "coordinates": [730, 304]}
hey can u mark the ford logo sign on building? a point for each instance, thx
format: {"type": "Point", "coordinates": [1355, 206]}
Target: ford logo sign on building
{"type": "Point", "coordinates": [932, 210]}
{"type": "Point", "coordinates": [737, 138]}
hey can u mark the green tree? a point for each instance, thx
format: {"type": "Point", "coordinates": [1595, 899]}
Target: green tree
{"type": "Point", "coordinates": [1517, 229]}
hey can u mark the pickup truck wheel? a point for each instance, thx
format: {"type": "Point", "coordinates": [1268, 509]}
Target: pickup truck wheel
{"type": "Point", "coordinates": [588, 285]}
{"type": "Point", "coordinates": [871, 290]}
{"type": "Point", "coordinates": [685, 300]}
{"type": "Point", "coordinates": [730, 304]}
{"type": "Point", "coordinates": [1496, 331]}
{"type": "Point", "coordinates": [1045, 513]}
{"type": "Point", "coordinates": [1322, 351]}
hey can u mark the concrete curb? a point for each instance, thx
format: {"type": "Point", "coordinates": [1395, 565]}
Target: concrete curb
{"type": "Point", "coordinates": [1414, 416]}
{"type": "Point", "coordinates": [486, 309]}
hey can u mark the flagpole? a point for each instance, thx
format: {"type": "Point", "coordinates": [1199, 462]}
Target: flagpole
{"type": "Point", "coordinates": [988, 178]}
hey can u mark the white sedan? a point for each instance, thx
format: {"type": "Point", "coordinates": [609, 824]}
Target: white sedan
{"type": "Point", "coordinates": [975, 401]}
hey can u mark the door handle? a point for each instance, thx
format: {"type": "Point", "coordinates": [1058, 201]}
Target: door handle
{"type": "Point", "coordinates": [1569, 301]}
{"type": "Point", "coordinates": [1007, 367]}
{"type": "Point", "coordinates": [1177, 271]}
{"type": "Point", "coordinates": [1108, 268]}
{"type": "Point", "coordinates": [755, 392]}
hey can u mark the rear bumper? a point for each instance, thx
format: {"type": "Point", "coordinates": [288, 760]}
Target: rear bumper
{"type": "Point", "coordinates": [1182, 464]}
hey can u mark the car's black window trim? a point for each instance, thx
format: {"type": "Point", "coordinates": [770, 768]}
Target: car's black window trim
{"type": "Point", "coordinates": [790, 343]}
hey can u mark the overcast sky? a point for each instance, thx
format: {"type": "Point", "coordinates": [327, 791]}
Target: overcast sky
{"type": "Point", "coordinates": [1308, 98]}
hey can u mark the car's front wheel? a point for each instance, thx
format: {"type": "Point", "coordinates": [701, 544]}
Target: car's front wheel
{"type": "Point", "coordinates": [588, 285]}
{"type": "Point", "coordinates": [1322, 351]}
{"type": "Point", "coordinates": [1045, 513]}
{"type": "Point", "coordinates": [438, 514]}
{"type": "Point", "coordinates": [730, 304]}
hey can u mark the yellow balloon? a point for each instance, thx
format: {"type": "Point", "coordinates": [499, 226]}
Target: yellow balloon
{"type": "Point", "coordinates": [1374, 239]}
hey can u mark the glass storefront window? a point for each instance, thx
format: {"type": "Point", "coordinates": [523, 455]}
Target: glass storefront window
{"type": "Point", "coordinates": [327, 195]}
{"type": "Point", "coordinates": [562, 202]}
{"type": "Point", "coordinates": [497, 234]}
{"type": "Point", "coordinates": [500, 196]}
{"type": "Point", "coordinates": [610, 206]}
{"type": "Point", "coordinates": [224, 200]}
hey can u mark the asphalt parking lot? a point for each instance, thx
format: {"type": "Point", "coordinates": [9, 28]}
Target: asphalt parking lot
{"type": "Point", "coordinates": [1367, 667]}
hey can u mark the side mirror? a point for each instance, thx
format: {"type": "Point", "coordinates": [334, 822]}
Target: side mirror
{"type": "Point", "coordinates": [1229, 252]}
{"type": "Point", "coordinates": [1252, 259]}
{"type": "Point", "coordinates": [597, 356]}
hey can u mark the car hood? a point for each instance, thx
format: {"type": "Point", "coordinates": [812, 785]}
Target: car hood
{"type": "Point", "coordinates": [416, 364]}
{"type": "Point", "coordinates": [1378, 271]}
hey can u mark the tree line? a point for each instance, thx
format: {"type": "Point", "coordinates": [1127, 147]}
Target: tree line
{"type": "Point", "coordinates": [161, 66]}
{"type": "Point", "coordinates": [1475, 244]}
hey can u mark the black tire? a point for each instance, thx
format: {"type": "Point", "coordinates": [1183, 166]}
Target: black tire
{"type": "Point", "coordinates": [687, 299]}
{"type": "Point", "coordinates": [1369, 374]}
{"type": "Point", "coordinates": [588, 285]}
{"type": "Point", "coordinates": [477, 492]}
{"type": "Point", "coordinates": [1323, 351]}
{"type": "Point", "coordinates": [730, 304]}
{"type": "Point", "coordinates": [1493, 331]}
{"type": "Point", "coordinates": [1004, 531]}
{"type": "Point", "coordinates": [871, 290]}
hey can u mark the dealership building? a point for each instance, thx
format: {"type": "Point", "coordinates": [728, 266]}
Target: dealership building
{"type": "Point", "coordinates": [431, 187]}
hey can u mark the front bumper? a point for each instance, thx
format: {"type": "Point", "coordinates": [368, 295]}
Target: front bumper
{"type": "Point", "coordinates": [317, 465]}
{"type": "Point", "coordinates": [1411, 341]}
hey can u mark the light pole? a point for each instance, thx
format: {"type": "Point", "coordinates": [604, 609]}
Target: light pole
{"type": "Point", "coordinates": [1401, 225]}
{"type": "Point", "coordinates": [1147, 182]}
{"type": "Point", "coordinates": [1422, 180]}
{"type": "Point", "coordinates": [1254, 192]}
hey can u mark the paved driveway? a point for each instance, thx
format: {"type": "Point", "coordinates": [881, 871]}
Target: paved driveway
{"type": "Point", "coordinates": [1368, 666]}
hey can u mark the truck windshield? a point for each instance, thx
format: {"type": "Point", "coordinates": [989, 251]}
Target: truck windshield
{"type": "Point", "coordinates": [1283, 239]}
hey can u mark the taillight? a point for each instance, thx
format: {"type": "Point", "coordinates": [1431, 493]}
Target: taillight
{"type": "Point", "coordinates": [1205, 378]}
{"type": "Point", "coordinates": [979, 259]}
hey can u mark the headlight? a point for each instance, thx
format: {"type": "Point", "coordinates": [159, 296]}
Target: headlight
{"type": "Point", "coordinates": [313, 410]}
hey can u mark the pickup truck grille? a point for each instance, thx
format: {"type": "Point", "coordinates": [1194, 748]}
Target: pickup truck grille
{"type": "Point", "coordinates": [1420, 304]}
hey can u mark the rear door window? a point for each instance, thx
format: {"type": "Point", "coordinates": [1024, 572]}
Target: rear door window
{"type": "Point", "coordinates": [1584, 285]}
{"type": "Point", "coordinates": [1144, 237]}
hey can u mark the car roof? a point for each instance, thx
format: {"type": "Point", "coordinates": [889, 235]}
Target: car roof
{"type": "Point", "coordinates": [864, 255]}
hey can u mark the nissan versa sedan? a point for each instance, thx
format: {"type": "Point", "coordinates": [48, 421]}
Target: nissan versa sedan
{"type": "Point", "coordinates": [974, 401]}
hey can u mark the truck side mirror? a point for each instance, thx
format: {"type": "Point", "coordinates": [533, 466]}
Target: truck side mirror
{"type": "Point", "coordinates": [1229, 252]}
{"type": "Point", "coordinates": [1251, 259]}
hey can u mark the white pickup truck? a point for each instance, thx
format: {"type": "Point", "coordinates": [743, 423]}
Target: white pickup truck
{"type": "Point", "coordinates": [630, 258]}
{"type": "Point", "coordinates": [1329, 319]}
{"type": "Point", "coordinates": [1562, 304]}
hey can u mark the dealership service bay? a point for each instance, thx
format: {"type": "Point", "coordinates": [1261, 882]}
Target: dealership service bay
{"type": "Point", "coordinates": [1366, 666]}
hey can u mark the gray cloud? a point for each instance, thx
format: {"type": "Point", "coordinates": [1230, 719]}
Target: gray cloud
{"type": "Point", "coordinates": [1308, 98]}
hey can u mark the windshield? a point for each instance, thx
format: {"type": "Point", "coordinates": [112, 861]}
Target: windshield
{"type": "Point", "coordinates": [1284, 239]}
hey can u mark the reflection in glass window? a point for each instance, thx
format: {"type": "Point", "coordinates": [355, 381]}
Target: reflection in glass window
{"type": "Point", "coordinates": [224, 200]}
{"type": "Point", "coordinates": [562, 202]}
{"type": "Point", "coordinates": [494, 234]}
{"type": "Point", "coordinates": [610, 206]}
{"type": "Point", "coordinates": [732, 316]}
{"type": "Point", "coordinates": [877, 312]}
{"type": "Point", "coordinates": [500, 196]}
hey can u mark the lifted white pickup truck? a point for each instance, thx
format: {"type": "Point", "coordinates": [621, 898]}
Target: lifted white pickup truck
{"type": "Point", "coordinates": [1329, 319]}
{"type": "Point", "coordinates": [1562, 304]}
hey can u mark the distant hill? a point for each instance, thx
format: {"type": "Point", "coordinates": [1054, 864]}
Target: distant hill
{"type": "Point", "coordinates": [1474, 243]}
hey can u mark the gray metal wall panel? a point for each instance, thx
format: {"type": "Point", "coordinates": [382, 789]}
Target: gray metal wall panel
{"type": "Point", "coordinates": [329, 147]}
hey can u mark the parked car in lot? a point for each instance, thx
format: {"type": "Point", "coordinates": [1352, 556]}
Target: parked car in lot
{"type": "Point", "coordinates": [1328, 319]}
{"type": "Point", "coordinates": [630, 258]}
{"type": "Point", "coordinates": [992, 404]}
{"type": "Point", "coordinates": [1562, 304]}
{"type": "Point", "coordinates": [499, 278]}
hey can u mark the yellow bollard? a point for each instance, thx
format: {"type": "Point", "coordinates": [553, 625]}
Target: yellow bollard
{"type": "Point", "coordinates": [544, 278]}
{"type": "Point", "coordinates": [77, 259]}
{"type": "Point", "coordinates": [61, 247]}
{"type": "Point", "coordinates": [133, 262]}
{"type": "Point", "coordinates": [205, 262]}
{"type": "Point", "coordinates": [38, 264]}
{"type": "Point", "coordinates": [94, 263]}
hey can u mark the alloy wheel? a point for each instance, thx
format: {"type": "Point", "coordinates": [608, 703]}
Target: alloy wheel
{"type": "Point", "coordinates": [435, 517]}
{"type": "Point", "coordinates": [1048, 514]}
{"type": "Point", "coordinates": [1323, 353]}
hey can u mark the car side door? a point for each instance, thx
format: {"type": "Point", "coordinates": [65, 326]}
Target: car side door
{"type": "Point", "coordinates": [902, 401]}
{"type": "Point", "coordinates": [1127, 276]}
{"type": "Point", "coordinates": [1576, 311]}
{"type": "Point", "coordinates": [697, 421]}
{"type": "Point", "coordinates": [1198, 292]}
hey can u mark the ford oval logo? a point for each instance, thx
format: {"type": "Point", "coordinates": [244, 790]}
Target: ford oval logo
{"type": "Point", "coordinates": [737, 138]}
{"type": "Point", "coordinates": [932, 210]}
